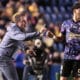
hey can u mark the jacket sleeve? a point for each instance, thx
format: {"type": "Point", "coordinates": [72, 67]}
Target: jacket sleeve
{"type": "Point", "coordinates": [16, 35]}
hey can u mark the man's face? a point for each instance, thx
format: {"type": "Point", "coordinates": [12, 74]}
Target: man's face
{"type": "Point", "coordinates": [23, 22]}
{"type": "Point", "coordinates": [77, 14]}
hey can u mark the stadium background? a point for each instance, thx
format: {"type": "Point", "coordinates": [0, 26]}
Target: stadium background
{"type": "Point", "coordinates": [42, 13]}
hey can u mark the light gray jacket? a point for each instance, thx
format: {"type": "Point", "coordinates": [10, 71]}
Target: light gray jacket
{"type": "Point", "coordinates": [13, 38]}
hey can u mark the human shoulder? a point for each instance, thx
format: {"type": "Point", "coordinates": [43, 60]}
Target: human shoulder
{"type": "Point", "coordinates": [10, 26]}
{"type": "Point", "coordinates": [12, 30]}
{"type": "Point", "coordinates": [67, 23]}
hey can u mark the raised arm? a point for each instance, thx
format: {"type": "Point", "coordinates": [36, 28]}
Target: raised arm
{"type": "Point", "coordinates": [16, 35]}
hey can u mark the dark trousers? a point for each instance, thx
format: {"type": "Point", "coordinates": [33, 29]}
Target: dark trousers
{"type": "Point", "coordinates": [20, 73]}
{"type": "Point", "coordinates": [27, 75]}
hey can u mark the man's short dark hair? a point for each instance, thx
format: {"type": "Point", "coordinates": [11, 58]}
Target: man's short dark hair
{"type": "Point", "coordinates": [76, 5]}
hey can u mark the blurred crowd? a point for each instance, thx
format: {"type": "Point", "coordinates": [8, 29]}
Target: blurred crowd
{"type": "Point", "coordinates": [47, 14]}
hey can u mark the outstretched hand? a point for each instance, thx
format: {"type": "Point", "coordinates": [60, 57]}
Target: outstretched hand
{"type": "Point", "coordinates": [43, 30]}
{"type": "Point", "coordinates": [49, 34]}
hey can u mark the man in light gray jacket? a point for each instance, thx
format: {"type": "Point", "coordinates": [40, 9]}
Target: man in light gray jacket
{"type": "Point", "coordinates": [14, 38]}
